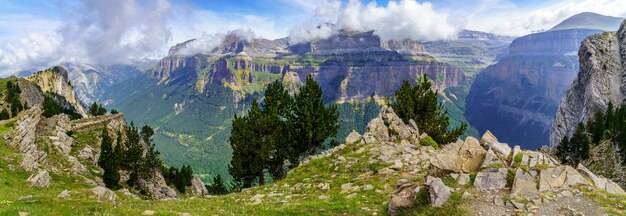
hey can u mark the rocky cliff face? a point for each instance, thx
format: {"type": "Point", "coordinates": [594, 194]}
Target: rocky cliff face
{"type": "Point", "coordinates": [55, 81]}
{"type": "Point", "coordinates": [91, 81]}
{"type": "Point", "coordinates": [599, 82]}
{"type": "Point", "coordinates": [518, 97]}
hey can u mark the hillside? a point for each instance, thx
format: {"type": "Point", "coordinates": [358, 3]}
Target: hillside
{"type": "Point", "coordinates": [379, 172]}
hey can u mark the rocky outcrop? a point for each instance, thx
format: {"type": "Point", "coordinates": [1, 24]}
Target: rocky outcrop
{"type": "Point", "coordinates": [461, 156]}
{"type": "Point", "coordinates": [41, 179]}
{"type": "Point", "coordinates": [156, 187]}
{"type": "Point", "coordinates": [197, 187]}
{"type": "Point", "coordinates": [56, 81]}
{"type": "Point", "coordinates": [598, 82]}
{"type": "Point", "coordinates": [438, 192]}
{"type": "Point", "coordinates": [518, 97]}
{"type": "Point", "coordinates": [23, 136]}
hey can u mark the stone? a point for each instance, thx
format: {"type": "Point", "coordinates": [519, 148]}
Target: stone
{"type": "Point", "coordinates": [64, 194]}
{"type": "Point", "coordinates": [414, 125]}
{"type": "Point", "coordinates": [467, 195]}
{"type": "Point", "coordinates": [41, 179]}
{"type": "Point", "coordinates": [353, 137]}
{"type": "Point", "coordinates": [346, 187]}
{"type": "Point", "coordinates": [498, 201]}
{"type": "Point", "coordinates": [574, 178]}
{"type": "Point", "coordinates": [378, 129]}
{"type": "Point", "coordinates": [491, 160]}
{"type": "Point", "coordinates": [551, 178]}
{"type": "Point", "coordinates": [22, 213]}
{"type": "Point", "coordinates": [491, 141]}
{"type": "Point", "coordinates": [156, 187]}
{"type": "Point", "coordinates": [524, 185]}
{"type": "Point", "coordinates": [463, 179]}
{"type": "Point", "coordinates": [369, 138]}
{"type": "Point", "coordinates": [148, 212]}
{"type": "Point", "coordinates": [516, 150]}
{"type": "Point", "coordinates": [126, 192]}
{"type": "Point", "coordinates": [461, 156]}
{"type": "Point", "coordinates": [518, 205]}
{"type": "Point", "coordinates": [438, 192]}
{"type": "Point", "coordinates": [368, 187]}
{"type": "Point", "coordinates": [197, 187]}
{"type": "Point", "coordinates": [491, 179]}
{"type": "Point", "coordinates": [23, 136]}
{"type": "Point", "coordinates": [403, 197]}
{"type": "Point", "coordinates": [322, 197]}
{"type": "Point", "coordinates": [88, 155]}
{"type": "Point", "coordinates": [102, 194]}
{"type": "Point", "coordinates": [27, 197]}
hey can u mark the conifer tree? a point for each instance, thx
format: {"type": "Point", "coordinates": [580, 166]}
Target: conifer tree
{"type": "Point", "coordinates": [313, 122]}
{"type": "Point", "coordinates": [420, 103]}
{"type": "Point", "coordinates": [4, 114]}
{"type": "Point", "coordinates": [107, 162]}
{"type": "Point", "coordinates": [218, 187]}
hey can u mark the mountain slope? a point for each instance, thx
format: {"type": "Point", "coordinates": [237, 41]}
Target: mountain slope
{"type": "Point", "coordinates": [589, 20]}
{"type": "Point", "coordinates": [518, 97]}
{"type": "Point", "coordinates": [376, 173]}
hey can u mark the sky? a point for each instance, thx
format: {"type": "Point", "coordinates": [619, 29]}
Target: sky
{"type": "Point", "coordinates": [35, 34]}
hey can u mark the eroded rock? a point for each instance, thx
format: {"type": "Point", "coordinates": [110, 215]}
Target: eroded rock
{"type": "Point", "coordinates": [41, 179]}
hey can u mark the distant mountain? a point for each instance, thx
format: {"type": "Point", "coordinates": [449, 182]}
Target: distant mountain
{"type": "Point", "coordinates": [518, 97]}
{"type": "Point", "coordinates": [192, 98]}
{"type": "Point", "coordinates": [589, 20]}
{"type": "Point", "coordinates": [91, 81]}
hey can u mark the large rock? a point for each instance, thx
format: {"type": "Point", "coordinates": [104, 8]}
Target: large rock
{"type": "Point", "coordinates": [378, 129]}
{"type": "Point", "coordinates": [88, 155]}
{"type": "Point", "coordinates": [41, 179]}
{"type": "Point", "coordinates": [197, 187]}
{"type": "Point", "coordinates": [524, 185]}
{"type": "Point", "coordinates": [353, 137]}
{"type": "Point", "coordinates": [560, 177]}
{"type": "Point", "coordinates": [491, 179]}
{"type": "Point", "coordinates": [102, 194]}
{"type": "Point", "coordinates": [601, 182]}
{"type": "Point", "coordinates": [403, 197]}
{"type": "Point", "coordinates": [461, 156]}
{"type": "Point", "coordinates": [156, 187]}
{"type": "Point", "coordinates": [438, 192]}
{"type": "Point", "coordinates": [502, 149]}
{"type": "Point", "coordinates": [492, 160]}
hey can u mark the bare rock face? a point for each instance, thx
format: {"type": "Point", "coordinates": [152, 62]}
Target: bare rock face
{"type": "Point", "coordinates": [103, 194]}
{"type": "Point", "coordinates": [599, 82]}
{"type": "Point", "coordinates": [56, 80]}
{"type": "Point", "coordinates": [23, 136]}
{"type": "Point", "coordinates": [41, 179]}
{"type": "Point", "coordinates": [197, 187]}
{"type": "Point", "coordinates": [491, 179]}
{"type": "Point", "coordinates": [524, 185]}
{"type": "Point", "coordinates": [157, 188]}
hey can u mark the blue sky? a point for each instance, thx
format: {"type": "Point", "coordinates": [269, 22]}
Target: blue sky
{"type": "Point", "coordinates": [37, 33]}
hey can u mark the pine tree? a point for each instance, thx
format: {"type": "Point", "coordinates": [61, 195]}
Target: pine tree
{"type": "Point", "coordinates": [420, 103]}
{"type": "Point", "coordinates": [50, 106]}
{"type": "Point", "coordinates": [218, 187]}
{"type": "Point", "coordinates": [580, 145]}
{"type": "Point", "coordinates": [13, 98]}
{"type": "Point", "coordinates": [93, 109]}
{"type": "Point", "coordinates": [596, 127]}
{"type": "Point", "coordinates": [313, 122]}
{"type": "Point", "coordinates": [107, 162]}
{"type": "Point", "coordinates": [4, 114]}
{"type": "Point", "coordinates": [134, 154]}
{"type": "Point", "coordinates": [563, 150]}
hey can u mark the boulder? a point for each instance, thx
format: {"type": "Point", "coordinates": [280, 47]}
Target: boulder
{"type": "Point", "coordinates": [353, 137]}
{"type": "Point", "coordinates": [23, 136]}
{"type": "Point", "coordinates": [600, 182]}
{"type": "Point", "coordinates": [41, 179]}
{"type": "Point", "coordinates": [156, 187]}
{"type": "Point", "coordinates": [560, 177]}
{"type": "Point", "coordinates": [88, 155]}
{"type": "Point", "coordinates": [103, 194]}
{"type": "Point", "coordinates": [378, 129]}
{"type": "Point", "coordinates": [438, 192]}
{"type": "Point", "coordinates": [524, 185]}
{"type": "Point", "coordinates": [461, 156]}
{"type": "Point", "coordinates": [64, 194]}
{"type": "Point", "coordinates": [491, 179]}
{"type": "Point", "coordinates": [463, 179]}
{"type": "Point", "coordinates": [492, 143]}
{"type": "Point", "coordinates": [197, 187]}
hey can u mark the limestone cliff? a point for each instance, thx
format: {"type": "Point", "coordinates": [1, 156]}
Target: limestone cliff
{"type": "Point", "coordinates": [518, 97]}
{"type": "Point", "coordinates": [55, 81]}
{"type": "Point", "coordinates": [599, 81]}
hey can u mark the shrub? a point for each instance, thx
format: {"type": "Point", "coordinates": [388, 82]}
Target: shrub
{"type": "Point", "coordinates": [428, 141]}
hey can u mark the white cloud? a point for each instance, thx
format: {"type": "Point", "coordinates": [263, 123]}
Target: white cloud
{"type": "Point", "coordinates": [406, 19]}
{"type": "Point", "coordinates": [29, 52]}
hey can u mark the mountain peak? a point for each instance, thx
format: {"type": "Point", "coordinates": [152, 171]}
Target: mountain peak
{"type": "Point", "coordinates": [589, 20]}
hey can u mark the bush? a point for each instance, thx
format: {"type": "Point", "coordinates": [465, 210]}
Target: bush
{"type": "Point", "coordinates": [428, 141]}
{"type": "Point", "coordinates": [114, 111]}
{"type": "Point", "coordinates": [69, 133]}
